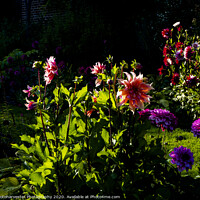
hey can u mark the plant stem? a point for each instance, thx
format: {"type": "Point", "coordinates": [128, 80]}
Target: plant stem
{"type": "Point", "coordinates": [70, 112]}
{"type": "Point", "coordinates": [44, 131]}
{"type": "Point", "coordinates": [40, 109]}
{"type": "Point", "coordinates": [87, 138]}
{"type": "Point", "coordinates": [45, 90]}
{"type": "Point", "coordinates": [39, 83]}
{"type": "Point", "coordinates": [110, 118]}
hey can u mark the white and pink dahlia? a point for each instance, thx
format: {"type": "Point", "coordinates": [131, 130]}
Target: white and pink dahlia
{"type": "Point", "coordinates": [188, 52]}
{"type": "Point", "coordinates": [98, 68]}
{"type": "Point", "coordinates": [50, 70]}
{"type": "Point", "coordinates": [135, 91]}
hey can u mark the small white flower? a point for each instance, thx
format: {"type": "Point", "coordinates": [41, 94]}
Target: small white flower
{"type": "Point", "coordinates": [176, 24]}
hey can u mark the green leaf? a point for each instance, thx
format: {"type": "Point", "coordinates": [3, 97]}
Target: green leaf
{"type": "Point", "coordinates": [81, 94]}
{"type": "Point", "coordinates": [64, 152]}
{"type": "Point", "coordinates": [50, 136]}
{"type": "Point", "coordinates": [63, 128]}
{"type": "Point", "coordinates": [38, 150]}
{"type": "Point", "coordinates": [65, 90]}
{"type": "Point", "coordinates": [120, 133]}
{"type": "Point", "coordinates": [27, 138]}
{"type": "Point", "coordinates": [72, 128]}
{"type": "Point", "coordinates": [24, 173]}
{"type": "Point", "coordinates": [114, 70]}
{"type": "Point", "coordinates": [81, 125]}
{"type": "Point", "coordinates": [105, 136]}
{"type": "Point", "coordinates": [37, 179]}
{"type": "Point", "coordinates": [21, 147]}
{"type": "Point", "coordinates": [103, 97]}
{"type": "Point", "coordinates": [8, 182]}
{"type": "Point", "coordinates": [76, 148]}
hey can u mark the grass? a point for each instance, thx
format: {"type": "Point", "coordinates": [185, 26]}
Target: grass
{"type": "Point", "coordinates": [178, 138]}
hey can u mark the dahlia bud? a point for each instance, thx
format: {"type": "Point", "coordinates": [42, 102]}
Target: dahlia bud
{"type": "Point", "coordinates": [109, 82]}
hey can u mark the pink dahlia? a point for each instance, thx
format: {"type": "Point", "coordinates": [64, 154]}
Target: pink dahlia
{"type": "Point", "coordinates": [166, 50]}
{"type": "Point", "coordinates": [98, 68]}
{"type": "Point", "coordinates": [30, 105]}
{"type": "Point", "coordinates": [167, 61]}
{"type": "Point", "coordinates": [28, 91]}
{"type": "Point", "coordinates": [166, 33]}
{"type": "Point", "coordinates": [50, 70]}
{"type": "Point", "coordinates": [178, 45]}
{"type": "Point", "coordinates": [175, 78]}
{"type": "Point", "coordinates": [192, 81]}
{"type": "Point", "coordinates": [135, 91]}
{"type": "Point", "coordinates": [188, 52]}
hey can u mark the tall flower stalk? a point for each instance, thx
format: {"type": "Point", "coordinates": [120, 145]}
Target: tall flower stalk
{"type": "Point", "coordinates": [70, 112]}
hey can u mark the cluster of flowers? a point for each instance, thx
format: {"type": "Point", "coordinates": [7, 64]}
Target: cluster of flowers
{"type": "Point", "coordinates": [134, 88]}
{"type": "Point", "coordinates": [178, 53]}
{"type": "Point", "coordinates": [160, 118]}
{"type": "Point", "coordinates": [51, 69]}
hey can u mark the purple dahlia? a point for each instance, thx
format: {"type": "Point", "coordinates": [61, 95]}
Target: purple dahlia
{"type": "Point", "coordinates": [196, 128]}
{"type": "Point", "coordinates": [183, 158]}
{"type": "Point", "coordinates": [144, 113]}
{"type": "Point", "coordinates": [164, 119]}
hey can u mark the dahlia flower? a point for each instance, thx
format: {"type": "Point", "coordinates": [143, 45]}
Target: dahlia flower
{"type": "Point", "coordinates": [166, 50]}
{"type": "Point", "coordinates": [166, 33]}
{"type": "Point", "coordinates": [135, 91]}
{"type": "Point", "coordinates": [192, 81]}
{"type": "Point", "coordinates": [179, 55]}
{"type": "Point", "coordinates": [195, 45]}
{"type": "Point", "coordinates": [51, 69]}
{"type": "Point", "coordinates": [98, 69]}
{"type": "Point", "coordinates": [188, 52]}
{"type": "Point", "coordinates": [28, 91]}
{"type": "Point", "coordinates": [144, 113]}
{"type": "Point", "coordinates": [183, 158]}
{"type": "Point", "coordinates": [30, 105]}
{"type": "Point", "coordinates": [167, 61]}
{"type": "Point", "coordinates": [178, 45]}
{"type": "Point", "coordinates": [175, 78]}
{"type": "Point", "coordinates": [164, 119]}
{"type": "Point", "coordinates": [196, 128]}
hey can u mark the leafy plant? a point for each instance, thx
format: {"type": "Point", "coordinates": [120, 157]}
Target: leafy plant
{"type": "Point", "coordinates": [92, 142]}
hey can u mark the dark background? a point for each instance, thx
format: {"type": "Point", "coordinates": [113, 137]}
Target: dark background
{"type": "Point", "coordinates": [89, 30]}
